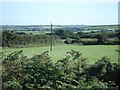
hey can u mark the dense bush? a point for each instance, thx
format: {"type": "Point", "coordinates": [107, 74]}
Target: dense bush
{"type": "Point", "coordinates": [65, 33]}
{"type": "Point", "coordinates": [15, 39]}
{"type": "Point", "coordinates": [38, 72]}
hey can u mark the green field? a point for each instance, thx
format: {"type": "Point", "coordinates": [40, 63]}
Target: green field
{"type": "Point", "coordinates": [91, 52]}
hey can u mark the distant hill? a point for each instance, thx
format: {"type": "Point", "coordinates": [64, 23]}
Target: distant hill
{"type": "Point", "coordinates": [65, 27]}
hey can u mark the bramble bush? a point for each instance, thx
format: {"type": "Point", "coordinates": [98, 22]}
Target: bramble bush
{"type": "Point", "coordinates": [39, 72]}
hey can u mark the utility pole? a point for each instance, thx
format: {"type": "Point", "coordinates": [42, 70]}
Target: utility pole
{"type": "Point", "coordinates": [51, 38]}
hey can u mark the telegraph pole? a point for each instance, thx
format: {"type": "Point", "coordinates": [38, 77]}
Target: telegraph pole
{"type": "Point", "coordinates": [51, 38]}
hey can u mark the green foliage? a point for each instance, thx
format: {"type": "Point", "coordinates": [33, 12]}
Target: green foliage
{"type": "Point", "coordinates": [102, 38]}
{"type": "Point", "coordinates": [65, 33]}
{"type": "Point", "coordinates": [68, 41]}
{"type": "Point", "coordinates": [105, 70]}
{"type": "Point", "coordinates": [99, 68]}
{"type": "Point", "coordinates": [15, 39]}
{"type": "Point", "coordinates": [12, 85]}
{"type": "Point", "coordinates": [39, 72]}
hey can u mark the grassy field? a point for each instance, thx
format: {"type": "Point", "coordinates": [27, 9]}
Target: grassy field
{"type": "Point", "coordinates": [91, 52]}
{"type": "Point", "coordinates": [35, 32]}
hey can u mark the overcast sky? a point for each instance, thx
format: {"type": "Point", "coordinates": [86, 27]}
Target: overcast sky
{"type": "Point", "coordinates": [40, 13]}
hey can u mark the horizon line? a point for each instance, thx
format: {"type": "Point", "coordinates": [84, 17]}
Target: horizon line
{"type": "Point", "coordinates": [54, 24]}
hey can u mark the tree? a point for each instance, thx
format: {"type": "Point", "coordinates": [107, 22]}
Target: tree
{"type": "Point", "coordinates": [68, 41]}
{"type": "Point", "coordinates": [79, 34]}
{"type": "Point", "coordinates": [103, 37]}
{"type": "Point", "coordinates": [64, 33]}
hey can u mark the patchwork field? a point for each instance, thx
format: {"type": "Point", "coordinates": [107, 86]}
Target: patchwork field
{"type": "Point", "coordinates": [91, 52]}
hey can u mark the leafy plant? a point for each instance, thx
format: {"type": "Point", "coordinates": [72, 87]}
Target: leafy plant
{"type": "Point", "coordinates": [39, 72]}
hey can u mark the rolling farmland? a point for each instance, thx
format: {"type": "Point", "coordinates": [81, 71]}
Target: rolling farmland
{"type": "Point", "coordinates": [91, 52]}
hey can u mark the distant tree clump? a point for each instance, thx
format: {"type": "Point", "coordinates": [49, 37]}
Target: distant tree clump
{"type": "Point", "coordinates": [64, 33]}
{"type": "Point", "coordinates": [102, 38]}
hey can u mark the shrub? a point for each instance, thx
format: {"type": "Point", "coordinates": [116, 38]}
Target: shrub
{"type": "Point", "coordinates": [38, 72]}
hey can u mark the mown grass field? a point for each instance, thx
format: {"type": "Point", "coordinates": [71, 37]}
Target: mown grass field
{"type": "Point", "coordinates": [91, 52]}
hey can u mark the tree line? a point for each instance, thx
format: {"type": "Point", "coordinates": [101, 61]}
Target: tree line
{"type": "Point", "coordinates": [21, 39]}
{"type": "Point", "coordinates": [101, 37]}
